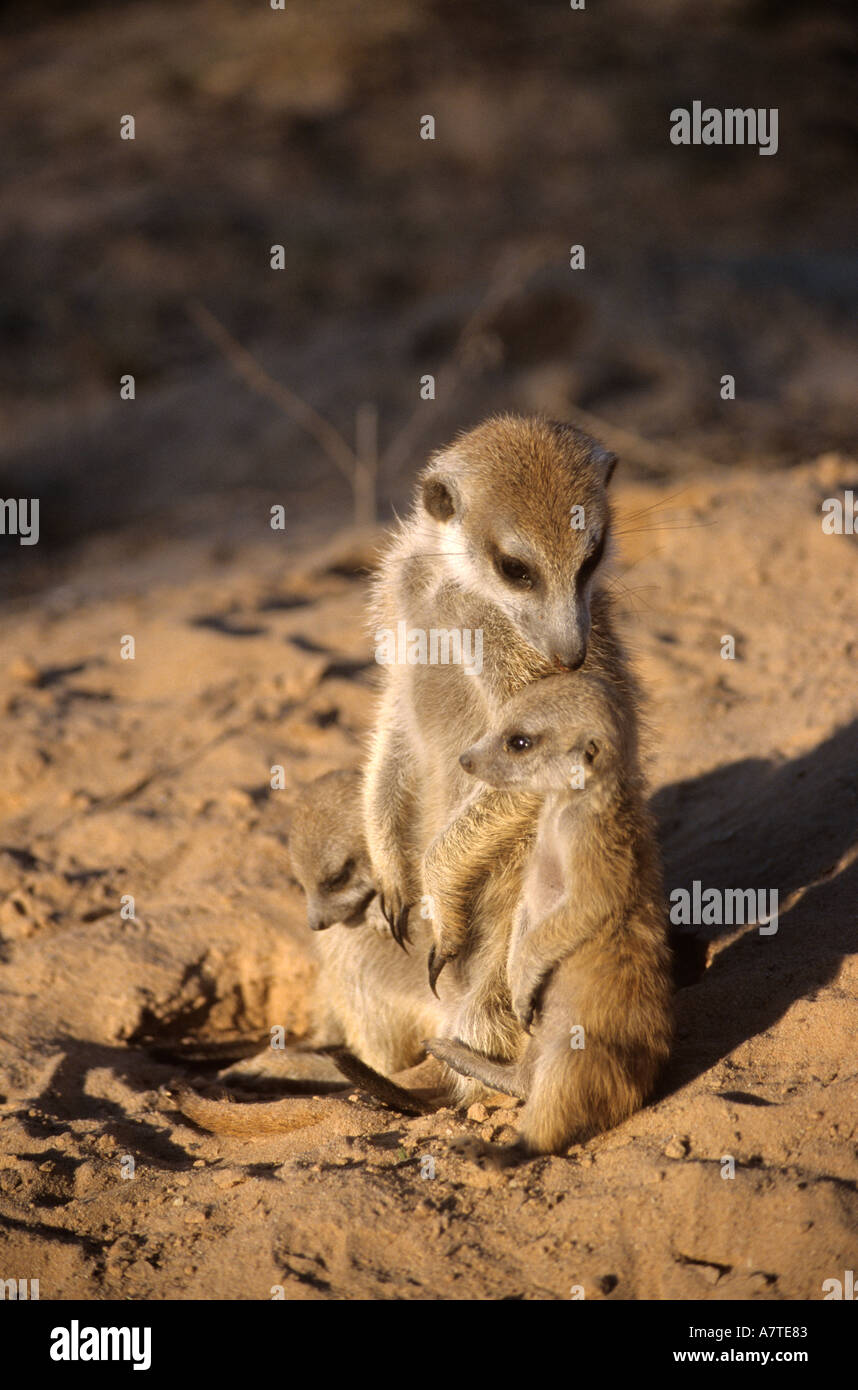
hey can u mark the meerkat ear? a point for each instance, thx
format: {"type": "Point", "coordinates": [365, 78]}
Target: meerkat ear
{"type": "Point", "coordinates": [605, 461]}
{"type": "Point", "coordinates": [439, 497]}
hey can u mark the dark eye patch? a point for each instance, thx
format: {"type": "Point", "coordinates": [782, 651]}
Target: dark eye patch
{"type": "Point", "coordinates": [514, 571]}
{"type": "Point", "coordinates": [518, 743]}
{"type": "Point", "coordinates": [339, 880]}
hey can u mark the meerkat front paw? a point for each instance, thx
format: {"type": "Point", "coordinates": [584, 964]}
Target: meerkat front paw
{"type": "Point", "coordinates": [395, 901]}
{"type": "Point", "coordinates": [528, 978]}
{"type": "Point", "coordinates": [436, 962]}
{"type": "Point", "coordinates": [376, 920]}
{"type": "Point", "coordinates": [449, 927]}
{"type": "Point", "coordinates": [448, 919]}
{"type": "Point", "coordinates": [449, 940]}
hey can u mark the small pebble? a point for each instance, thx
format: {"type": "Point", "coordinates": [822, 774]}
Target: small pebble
{"type": "Point", "coordinates": [677, 1147]}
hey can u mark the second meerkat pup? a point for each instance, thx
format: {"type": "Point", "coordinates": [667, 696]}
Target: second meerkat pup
{"type": "Point", "coordinates": [372, 1004]}
{"type": "Point", "coordinates": [370, 995]}
{"type": "Point", "coordinates": [588, 958]}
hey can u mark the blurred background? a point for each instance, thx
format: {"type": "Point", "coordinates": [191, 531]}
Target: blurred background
{"type": "Point", "coordinates": [406, 256]}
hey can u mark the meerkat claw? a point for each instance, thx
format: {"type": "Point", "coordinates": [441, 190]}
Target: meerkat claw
{"type": "Point", "coordinates": [524, 1008]}
{"type": "Point", "coordinates": [527, 1005]}
{"type": "Point", "coordinates": [389, 914]}
{"type": "Point", "coordinates": [436, 964]}
{"type": "Point", "coordinates": [399, 930]}
{"type": "Point", "coordinates": [433, 973]}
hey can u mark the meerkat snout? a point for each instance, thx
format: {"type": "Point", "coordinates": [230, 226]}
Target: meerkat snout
{"type": "Point", "coordinates": [495, 759]}
{"type": "Point", "coordinates": [571, 639]}
{"type": "Point", "coordinates": [565, 662]}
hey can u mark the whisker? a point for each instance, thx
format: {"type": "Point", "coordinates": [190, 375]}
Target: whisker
{"type": "Point", "coordinates": [650, 554]}
{"type": "Point", "coordinates": [631, 594]}
{"type": "Point", "coordinates": [639, 530]}
{"type": "Point", "coordinates": [642, 511]}
{"type": "Point", "coordinates": [640, 588]}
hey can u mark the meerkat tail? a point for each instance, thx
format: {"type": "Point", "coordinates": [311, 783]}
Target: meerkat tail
{"type": "Point", "coordinates": [499, 1076]}
{"type": "Point", "coordinates": [381, 1087]}
{"type": "Point", "coordinates": [246, 1121]}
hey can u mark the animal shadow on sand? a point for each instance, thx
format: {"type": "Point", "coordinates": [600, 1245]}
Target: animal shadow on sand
{"type": "Point", "coordinates": [751, 824]}
{"type": "Point", "coordinates": [763, 824]}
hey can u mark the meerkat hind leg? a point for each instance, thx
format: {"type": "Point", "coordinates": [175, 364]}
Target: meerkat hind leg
{"type": "Point", "coordinates": [500, 1076]}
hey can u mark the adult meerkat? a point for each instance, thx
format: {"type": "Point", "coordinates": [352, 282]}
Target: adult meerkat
{"type": "Point", "coordinates": [507, 538]}
{"type": "Point", "coordinates": [589, 947]}
{"type": "Point", "coordinates": [372, 1004]}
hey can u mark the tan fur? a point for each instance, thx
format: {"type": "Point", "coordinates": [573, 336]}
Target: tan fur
{"type": "Point", "coordinates": [505, 489]}
{"type": "Point", "coordinates": [370, 997]}
{"type": "Point", "coordinates": [589, 944]}
{"type": "Point", "coordinates": [248, 1121]}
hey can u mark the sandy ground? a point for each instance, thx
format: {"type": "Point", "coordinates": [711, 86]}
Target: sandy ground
{"type": "Point", "coordinates": [151, 778]}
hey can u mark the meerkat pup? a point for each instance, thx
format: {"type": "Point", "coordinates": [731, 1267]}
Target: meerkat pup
{"type": "Point", "coordinates": [589, 966]}
{"type": "Point", "coordinates": [372, 1004]}
{"type": "Point", "coordinates": [505, 547]}
{"type": "Point", "coordinates": [370, 997]}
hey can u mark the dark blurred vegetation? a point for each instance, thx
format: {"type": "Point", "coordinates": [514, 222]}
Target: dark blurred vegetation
{"type": "Point", "coordinates": [300, 127]}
